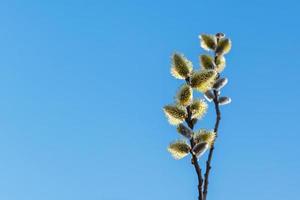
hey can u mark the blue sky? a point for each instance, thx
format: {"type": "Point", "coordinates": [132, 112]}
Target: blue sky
{"type": "Point", "coordinates": [83, 84]}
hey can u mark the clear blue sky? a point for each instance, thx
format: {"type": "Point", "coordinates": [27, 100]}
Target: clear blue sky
{"type": "Point", "coordinates": [83, 84]}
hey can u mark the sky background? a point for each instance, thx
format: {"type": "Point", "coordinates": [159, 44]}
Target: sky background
{"type": "Point", "coordinates": [83, 84]}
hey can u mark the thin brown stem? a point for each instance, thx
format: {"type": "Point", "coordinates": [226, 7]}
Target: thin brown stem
{"type": "Point", "coordinates": [191, 122]}
{"type": "Point", "coordinates": [211, 151]}
{"type": "Point", "coordinates": [199, 174]}
{"type": "Point", "coordinates": [195, 162]}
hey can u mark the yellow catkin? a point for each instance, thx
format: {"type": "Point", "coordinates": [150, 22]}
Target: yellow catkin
{"type": "Point", "coordinates": [198, 108]}
{"type": "Point", "coordinates": [207, 62]}
{"type": "Point", "coordinates": [181, 67]}
{"type": "Point", "coordinates": [179, 149]}
{"type": "Point", "coordinates": [185, 95]}
{"type": "Point", "coordinates": [205, 136]}
{"type": "Point", "coordinates": [220, 64]}
{"type": "Point", "coordinates": [223, 47]}
{"type": "Point", "coordinates": [208, 42]}
{"type": "Point", "coordinates": [203, 80]}
{"type": "Point", "coordinates": [174, 114]}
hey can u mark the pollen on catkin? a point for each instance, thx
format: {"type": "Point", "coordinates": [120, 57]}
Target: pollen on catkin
{"type": "Point", "coordinates": [207, 62]}
{"type": "Point", "coordinates": [198, 108]}
{"type": "Point", "coordinates": [205, 136]}
{"type": "Point", "coordinates": [174, 114]}
{"type": "Point", "coordinates": [185, 95]}
{"type": "Point", "coordinates": [179, 149]}
{"type": "Point", "coordinates": [203, 80]}
{"type": "Point", "coordinates": [208, 42]}
{"type": "Point", "coordinates": [181, 67]}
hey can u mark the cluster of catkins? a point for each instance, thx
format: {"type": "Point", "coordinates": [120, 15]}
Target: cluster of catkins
{"type": "Point", "coordinates": [206, 80]}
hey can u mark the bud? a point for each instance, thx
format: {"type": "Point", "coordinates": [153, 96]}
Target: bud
{"type": "Point", "coordinates": [205, 136]}
{"type": "Point", "coordinates": [198, 108]}
{"type": "Point", "coordinates": [223, 47]}
{"type": "Point", "coordinates": [224, 100]}
{"type": "Point", "coordinates": [181, 67]}
{"type": "Point", "coordinates": [194, 120]}
{"type": "Point", "coordinates": [199, 149]}
{"type": "Point", "coordinates": [179, 149]}
{"type": "Point", "coordinates": [203, 80]}
{"type": "Point", "coordinates": [220, 63]}
{"type": "Point", "coordinates": [220, 35]}
{"type": "Point", "coordinates": [208, 42]}
{"type": "Point", "coordinates": [207, 62]}
{"type": "Point", "coordinates": [220, 83]}
{"type": "Point", "coordinates": [175, 114]}
{"type": "Point", "coordinates": [185, 95]}
{"type": "Point", "coordinates": [185, 131]}
{"type": "Point", "coordinates": [209, 95]}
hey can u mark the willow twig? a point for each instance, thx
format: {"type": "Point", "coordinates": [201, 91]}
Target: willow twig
{"type": "Point", "coordinates": [211, 151]}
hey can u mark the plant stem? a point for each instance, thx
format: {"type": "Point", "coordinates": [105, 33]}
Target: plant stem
{"type": "Point", "coordinates": [190, 123]}
{"type": "Point", "coordinates": [211, 151]}
{"type": "Point", "coordinates": [195, 162]}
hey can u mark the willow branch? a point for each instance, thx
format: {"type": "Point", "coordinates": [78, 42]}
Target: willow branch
{"type": "Point", "coordinates": [211, 151]}
{"type": "Point", "coordinates": [195, 162]}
